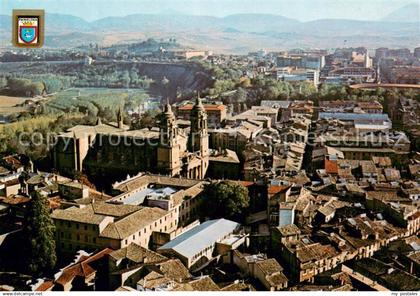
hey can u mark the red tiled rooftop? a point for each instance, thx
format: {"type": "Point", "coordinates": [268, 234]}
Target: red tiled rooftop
{"type": "Point", "coordinates": [81, 268]}
{"type": "Point", "coordinates": [45, 286]}
{"type": "Point", "coordinates": [246, 183]}
{"type": "Point", "coordinates": [331, 167]}
{"type": "Point", "coordinates": [12, 160]}
{"type": "Point", "coordinates": [274, 189]}
{"type": "Point", "coordinates": [14, 200]}
{"type": "Point", "coordinates": [414, 216]}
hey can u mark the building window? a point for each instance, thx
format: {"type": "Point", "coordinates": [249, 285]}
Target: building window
{"type": "Point", "coordinates": [94, 240]}
{"type": "Point", "coordinates": [85, 227]}
{"type": "Point", "coordinates": [77, 225]}
{"type": "Point", "coordinates": [78, 237]}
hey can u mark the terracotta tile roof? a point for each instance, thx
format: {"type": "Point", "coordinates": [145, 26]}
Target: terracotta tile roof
{"type": "Point", "coordinates": [154, 280]}
{"type": "Point", "coordinates": [106, 209]}
{"type": "Point", "coordinates": [173, 269]}
{"type": "Point", "coordinates": [277, 279]}
{"type": "Point", "coordinates": [382, 161]}
{"type": "Point", "coordinates": [81, 268]}
{"type": "Point", "coordinates": [269, 266]}
{"type": "Point", "coordinates": [246, 183]}
{"type": "Point", "coordinates": [95, 213]}
{"type": "Point", "coordinates": [315, 252]}
{"type": "Point", "coordinates": [238, 286]}
{"type": "Point", "coordinates": [137, 254]}
{"type": "Point", "coordinates": [182, 287]}
{"type": "Point", "coordinates": [45, 286]}
{"type": "Point", "coordinates": [382, 195]}
{"type": "Point", "coordinates": [287, 230]}
{"type": "Point", "coordinates": [133, 223]}
{"type": "Point", "coordinates": [368, 167]}
{"type": "Point", "coordinates": [54, 202]}
{"type": "Point", "coordinates": [144, 180]}
{"type": "Point", "coordinates": [13, 162]}
{"type": "Point", "coordinates": [331, 166]}
{"type": "Point", "coordinates": [414, 216]}
{"type": "Point", "coordinates": [15, 200]}
{"type": "Point", "coordinates": [204, 284]}
{"type": "Point", "coordinates": [81, 215]}
{"type": "Point", "coordinates": [274, 189]}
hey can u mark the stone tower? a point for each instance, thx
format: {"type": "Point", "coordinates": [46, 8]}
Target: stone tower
{"type": "Point", "coordinates": [198, 140]}
{"type": "Point", "coordinates": [168, 158]}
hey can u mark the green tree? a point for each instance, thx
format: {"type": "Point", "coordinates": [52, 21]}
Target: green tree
{"type": "Point", "coordinates": [52, 84]}
{"type": "Point", "coordinates": [240, 95]}
{"type": "Point", "coordinates": [125, 79]}
{"type": "Point", "coordinates": [39, 233]}
{"type": "Point", "coordinates": [37, 88]}
{"type": "Point", "coordinates": [225, 199]}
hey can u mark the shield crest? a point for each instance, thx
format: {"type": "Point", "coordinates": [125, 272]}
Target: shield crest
{"type": "Point", "coordinates": [28, 33]}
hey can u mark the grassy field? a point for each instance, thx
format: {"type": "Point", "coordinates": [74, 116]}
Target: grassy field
{"type": "Point", "coordinates": [92, 99]}
{"type": "Point", "coordinates": [8, 105]}
{"type": "Point", "coordinates": [7, 101]}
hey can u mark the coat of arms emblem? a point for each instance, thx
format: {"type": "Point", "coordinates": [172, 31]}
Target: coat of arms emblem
{"type": "Point", "coordinates": [28, 28]}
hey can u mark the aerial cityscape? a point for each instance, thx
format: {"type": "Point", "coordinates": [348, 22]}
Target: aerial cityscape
{"type": "Point", "coordinates": [210, 146]}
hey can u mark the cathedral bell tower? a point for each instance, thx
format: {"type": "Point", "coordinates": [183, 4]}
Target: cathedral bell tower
{"type": "Point", "coordinates": [198, 140]}
{"type": "Point", "coordinates": [168, 157]}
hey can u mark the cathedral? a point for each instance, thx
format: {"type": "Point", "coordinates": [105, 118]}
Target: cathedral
{"type": "Point", "coordinates": [112, 151]}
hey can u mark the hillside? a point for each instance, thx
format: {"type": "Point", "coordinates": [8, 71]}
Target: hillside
{"type": "Point", "coordinates": [238, 33]}
{"type": "Point", "coordinates": [408, 13]}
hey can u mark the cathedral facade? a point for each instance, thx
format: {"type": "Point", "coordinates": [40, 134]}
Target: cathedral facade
{"type": "Point", "coordinates": [112, 151]}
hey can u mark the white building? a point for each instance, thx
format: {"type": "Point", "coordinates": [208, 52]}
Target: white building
{"type": "Point", "coordinates": [196, 246]}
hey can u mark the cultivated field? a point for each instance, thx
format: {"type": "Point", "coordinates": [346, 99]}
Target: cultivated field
{"type": "Point", "coordinates": [8, 105]}
{"type": "Point", "coordinates": [7, 101]}
{"type": "Point", "coordinates": [93, 99]}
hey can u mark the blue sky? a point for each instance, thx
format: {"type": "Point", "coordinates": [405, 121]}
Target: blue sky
{"type": "Point", "coordinates": [303, 10]}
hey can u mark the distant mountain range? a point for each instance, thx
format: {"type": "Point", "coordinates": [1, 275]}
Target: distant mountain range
{"type": "Point", "coordinates": [234, 33]}
{"type": "Point", "coordinates": [408, 13]}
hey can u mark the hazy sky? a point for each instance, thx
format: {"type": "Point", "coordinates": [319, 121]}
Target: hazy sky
{"type": "Point", "coordinates": [303, 10]}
